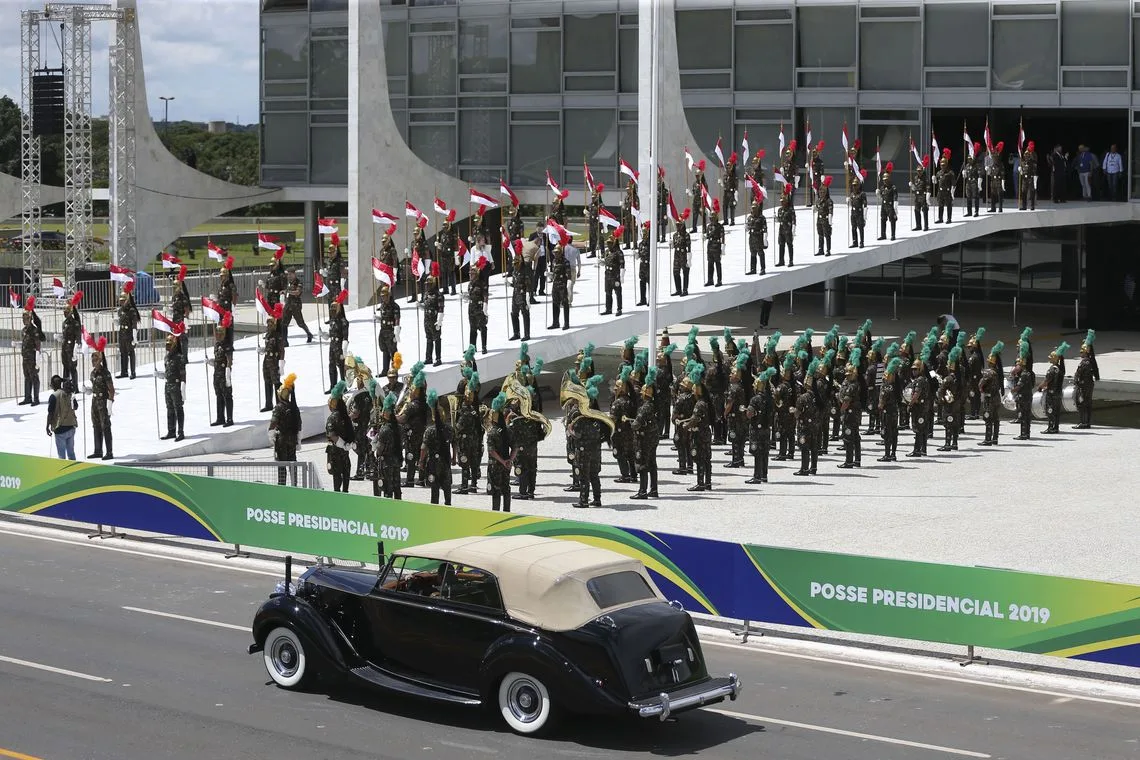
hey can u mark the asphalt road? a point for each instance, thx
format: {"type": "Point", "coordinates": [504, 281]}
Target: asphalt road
{"type": "Point", "coordinates": [81, 676]}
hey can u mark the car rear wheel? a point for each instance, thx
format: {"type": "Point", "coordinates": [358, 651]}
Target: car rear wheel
{"type": "Point", "coordinates": [525, 703]}
{"type": "Point", "coordinates": [285, 659]}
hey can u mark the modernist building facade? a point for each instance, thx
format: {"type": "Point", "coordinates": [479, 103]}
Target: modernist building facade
{"type": "Point", "coordinates": [483, 89]}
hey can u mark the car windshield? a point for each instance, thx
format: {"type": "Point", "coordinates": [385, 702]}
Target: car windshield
{"type": "Point", "coordinates": [619, 588]}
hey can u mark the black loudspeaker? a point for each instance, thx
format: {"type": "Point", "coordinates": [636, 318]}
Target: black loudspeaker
{"type": "Point", "coordinates": [47, 103]}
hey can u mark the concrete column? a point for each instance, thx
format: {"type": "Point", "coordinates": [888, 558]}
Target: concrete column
{"type": "Point", "coordinates": [312, 241]}
{"type": "Point", "coordinates": [835, 297]}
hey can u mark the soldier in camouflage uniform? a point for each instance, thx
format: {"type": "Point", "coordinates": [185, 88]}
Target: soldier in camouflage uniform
{"type": "Point", "coordinates": [758, 422]}
{"type": "Point", "coordinates": [888, 405]}
{"type": "Point", "coordinates": [682, 247]}
{"type": "Point", "coordinates": [696, 192]}
{"type": "Point", "coordinates": [595, 226]}
{"type": "Point", "coordinates": [888, 202]}
{"type": "Point", "coordinates": [385, 435]}
{"type": "Point", "coordinates": [920, 194]}
{"type": "Point", "coordinates": [714, 251]}
{"type": "Point", "coordinates": [851, 412]}
{"type": "Point", "coordinates": [446, 244]}
{"type": "Point", "coordinates": [334, 267]}
{"type": "Point", "coordinates": [293, 289]}
{"type": "Point", "coordinates": [339, 434]}
{"type": "Point", "coordinates": [478, 295]}
{"type": "Point", "coordinates": [996, 176]}
{"type": "Point", "coordinates": [824, 207]}
{"type": "Point", "coordinates": [29, 350]}
{"type": "Point", "coordinates": [644, 251]}
{"type": "Point", "coordinates": [786, 219]}
{"type": "Point", "coordinates": [469, 435]}
{"type": "Point", "coordinates": [728, 191]}
{"type": "Point", "coordinates": [102, 401]}
{"type": "Point", "coordinates": [558, 207]}
{"type": "Point", "coordinates": [175, 376]}
{"type": "Point", "coordinates": [807, 425]}
{"type": "Point", "coordinates": [222, 362]}
{"type": "Point", "coordinates": [757, 227]}
{"type": "Point", "coordinates": [338, 338]}
{"type": "Point", "coordinates": [273, 356]}
{"type": "Point", "coordinates": [944, 181]}
{"type": "Point", "coordinates": [433, 317]}
{"type": "Point", "coordinates": [663, 395]}
{"type": "Point", "coordinates": [628, 204]}
{"type": "Point", "coordinates": [615, 271]}
{"type": "Point", "coordinates": [972, 181]}
{"type": "Point", "coordinates": [858, 205]}
{"type": "Point", "coordinates": [714, 391]}
{"type": "Point", "coordinates": [520, 295]}
{"type": "Point", "coordinates": [360, 412]}
{"type": "Point", "coordinates": [622, 412]}
{"type": "Point", "coordinates": [275, 280]}
{"type": "Point", "coordinates": [500, 455]}
{"type": "Point", "coordinates": [588, 435]}
{"type": "Point", "coordinates": [71, 334]}
{"type": "Point", "coordinates": [736, 410]}
{"type": "Point", "coordinates": [180, 309]}
{"type": "Point", "coordinates": [389, 337]}
{"type": "Point", "coordinates": [227, 294]}
{"type": "Point", "coordinates": [413, 420]}
{"type": "Point", "coordinates": [699, 425]}
{"type": "Point", "coordinates": [647, 429]}
{"type": "Point", "coordinates": [920, 398]}
{"type": "Point", "coordinates": [514, 222]}
{"type": "Point", "coordinates": [436, 452]}
{"type": "Point", "coordinates": [1027, 186]}
{"type": "Point", "coordinates": [662, 204]}
{"type": "Point", "coordinates": [127, 318]}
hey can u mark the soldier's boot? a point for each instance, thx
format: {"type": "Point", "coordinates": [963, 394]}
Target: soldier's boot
{"type": "Point", "coordinates": [526, 325]}
{"type": "Point", "coordinates": [642, 485]}
{"type": "Point", "coordinates": [514, 327]}
{"type": "Point", "coordinates": [122, 365]}
{"type": "Point", "coordinates": [819, 252]}
{"type": "Point", "coordinates": [220, 411]}
{"type": "Point", "coordinates": [98, 452]}
{"type": "Point", "coordinates": [229, 411]}
{"type": "Point", "coordinates": [438, 352]}
{"type": "Point", "coordinates": [642, 287]}
{"type": "Point", "coordinates": [926, 219]}
{"type": "Point", "coordinates": [756, 478]}
{"type": "Point", "coordinates": [181, 424]}
{"type": "Point", "coordinates": [828, 246]}
{"type": "Point", "coordinates": [685, 276]}
{"type": "Point", "coordinates": [791, 255]}
{"type": "Point", "coordinates": [269, 390]}
{"type": "Point", "coordinates": [894, 223]}
{"type": "Point", "coordinates": [803, 459]}
{"type": "Point", "coordinates": [882, 229]}
{"type": "Point", "coordinates": [108, 448]}
{"type": "Point", "coordinates": [430, 348]}
{"type": "Point", "coordinates": [171, 423]}
{"type": "Point", "coordinates": [36, 390]}
{"type": "Point", "coordinates": [27, 393]}
{"type": "Point", "coordinates": [709, 278]}
{"type": "Point", "coordinates": [618, 306]}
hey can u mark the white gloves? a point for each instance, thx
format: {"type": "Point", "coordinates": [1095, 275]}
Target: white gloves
{"type": "Point", "coordinates": [281, 367]}
{"type": "Point", "coordinates": [396, 330]}
{"type": "Point", "coordinates": [688, 192]}
{"type": "Point", "coordinates": [209, 361]}
{"type": "Point", "coordinates": [341, 443]}
{"type": "Point", "coordinates": [272, 437]}
{"type": "Point", "coordinates": [406, 252]}
{"type": "Point", "coordinates": [438, 244]}
{"type": "Point", "coordinates": [229, 378]}
{"type": "Point", "coordinates": [261, 284]}
{"type": "Point", "coordinates": [439, 321]}
{"type": "Point", "coordinates": [979, 183]}
{"type": "Point", "coordinates": [261, 350]}
{"type": "Point", "coordinates": [182, 390]}
{"type": "Point", "coordinates": [110, 406]}
{"type": "Point", "coordinates": [344, 347]}
{"type": "Point", "coordinates": [161, 374]}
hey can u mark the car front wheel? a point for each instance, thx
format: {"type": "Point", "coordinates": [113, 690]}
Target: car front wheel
{"type": "Point", "coordinates": [284, 657]}
{"type": "Point", "coordinates": [525, 703]}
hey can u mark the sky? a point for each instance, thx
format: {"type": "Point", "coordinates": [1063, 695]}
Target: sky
{"type": "Point", "coordinates": [203, 53]}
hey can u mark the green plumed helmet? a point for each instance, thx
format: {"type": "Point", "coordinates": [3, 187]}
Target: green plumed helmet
{"type": "Point", "coordinates": [866, 326]}
{"type": "Point", "coordinates": [1023, 352]}
{"type": "Point", "coordinates": [997, 349]}
{"type": "Point", "coordinates": [498, 402]}
{"type": "Point", "coordinates": [372, 386]}
{"type": "Point", "coordinates": [961, 342]}
{"type": "Point", "coordinates": [417, 368]}
{"type": "Point", "coordinates": [651, 376]}
{"type": "Point", "coordinates": [640, 362]}
{"type": "Point", "coordinates": [419, 380]}
{"type": "Point", "coordinates": [714, 343]}
{"type": "Point", "coordinates": [592, 386]}
{"type": "Point", "coordinates": [808, 333]}
{"type": "Point", "coordinates": [933, 334]}
{"type": "Point", "coordinates": [803, 356]}
{"type": "Point", "coordinates": [892, 351]}
{"type": "Point", "coordinates": [832, 336]}
{"type": "Point", "coordinates": [955, 355]}
{"type": "Point", "coordinates": [623, 376]}
{"type": "Point", "coordinates": [524, 352]}
{"type": "Point", "coordinates": [630, 342]}
{"type": "Point", "coordinates": [469, 352]}
{"type": "Point", "coordinates": [893, 366]}
{"type": "Point", "coordinates": [813, 368]}
{"type": "Point", "coordinates": [693, 332]}
{"type": "Point", "coordinates": [742, 360]}
{"type": "Point", "coordinates": [432, 397]}
{"type": "Point", "coordinates": [773, 341]}
{"type": "Point", "coordinates": [767, 375]}
{"type": "Point", "coordinates": [789, 363]}
{"type": "Point", "coordinates": [727, 335]}
{"type": "Point", "coordinates": [696, 374]}
{"type": "Point", "coordinates": [829, 357]}
{"type": "Point", "coordinates": [587, 363]}
{"type": "Point", "coordinates": [1061, 349]}
{"type": "Point", "coordinates": [589, 349]}
{"type": "Point", "coordinates": [844, 344]}
{"type": "Point", "coordinates": [359, 360]}
{"type": "Point", "coordinates": [741, 345]}
{"type": "Point", "coordinates": [981, 333]}
{"type": "Point", "coordinates": [466, 372]}
{"type": "Point", "coordinates": [338, 390]}
{"type": "Point", "coordinates": [855, 357]}
{"type": "Point", "coordinates": [909, 339]}
{"type": "Point", "coordinates": [689, 351]}
{"type": "Point", "coordinates": [538, 363]}
{"type": "Point", "coordinates": [925, 355]}
{"type": "Point", "coordinates": [669, 349]}
{"type": "Point", "coordinates": [1026, 334]}
{"type": "Point", "coordinates": [390, 402]}
{"type": "Point", "coordinates": [1090, 337]}
{"type": "Point", "coordinates": [473, 382]}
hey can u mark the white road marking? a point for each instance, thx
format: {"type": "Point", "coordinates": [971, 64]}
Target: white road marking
{"type": "Point", "coordinates": [922, 674]}
{"type": "Point", "coordinates": [188, 619]}
{"type": "Point", "coordinates": [53, 669]}
{"type": "Point", "coordinates": [120, 550]}
{"type": "Point", "coordinates": [852, 734]}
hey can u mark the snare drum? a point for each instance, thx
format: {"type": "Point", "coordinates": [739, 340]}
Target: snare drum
{"type": "Point", "coordinates": [1039, 405]}
{"type": "Point", "coordinates": [1069, 398]}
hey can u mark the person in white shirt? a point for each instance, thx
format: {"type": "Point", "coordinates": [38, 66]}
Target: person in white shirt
{"type": "Point", "coordinates": [1113, 166]}
{"type": "Point", "coordinates": [574, 261]}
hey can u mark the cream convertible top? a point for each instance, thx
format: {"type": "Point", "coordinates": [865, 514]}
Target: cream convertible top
{"type": "Point", "coordinates": [542, 580]}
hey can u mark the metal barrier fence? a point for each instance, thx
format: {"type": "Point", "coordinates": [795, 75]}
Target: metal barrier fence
{"type": "Point", "coordinates": [296, 474]}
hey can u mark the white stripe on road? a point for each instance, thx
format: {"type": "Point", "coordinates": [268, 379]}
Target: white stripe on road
{"type": "Point", "coordinates": [201, 621]}
{"type": "Point", "coordinates": [852, 734]}
{"type": "Point", "coordinates": [920, 674]}
{"type": "Point", "coordinates": [53, 669]}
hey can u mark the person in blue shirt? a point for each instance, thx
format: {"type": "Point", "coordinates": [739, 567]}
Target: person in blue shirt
{"type": "Point", "coordinates": [1084, 163]}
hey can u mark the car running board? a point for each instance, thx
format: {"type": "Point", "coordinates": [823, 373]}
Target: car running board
{"type": "Point", "coordinates": [377, 677]}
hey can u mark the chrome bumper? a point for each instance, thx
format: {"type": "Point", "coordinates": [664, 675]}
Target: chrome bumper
{"type": "Point", "coordinates": [664, 705]}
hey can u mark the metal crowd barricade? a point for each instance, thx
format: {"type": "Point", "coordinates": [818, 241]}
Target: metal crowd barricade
{"type": "Point", "coordinates": [297, 474]}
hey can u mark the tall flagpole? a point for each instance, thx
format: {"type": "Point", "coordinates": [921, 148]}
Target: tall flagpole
{"type": "Point", "coordinates": [391, 290]}
{"type": "Point", "coordinates": [654, 72]}
{"type": "Point", "coordinates": [205, 346]}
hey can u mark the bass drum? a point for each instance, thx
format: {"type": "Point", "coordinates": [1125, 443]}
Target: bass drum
{"type": "Point", "coordinates": [1069, 398]}
{"type": "Point", "coordinates": [1008, 400]}
{"type": "Point", "coordinates": [1039, 405]}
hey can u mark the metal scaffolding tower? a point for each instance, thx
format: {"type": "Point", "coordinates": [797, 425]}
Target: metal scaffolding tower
{"type": "Point", "coordinates": [77, 174]}
{"type": "Point", "coordinates": [31, 225]}
{"type": "Point", "coordinates": [122, 134]}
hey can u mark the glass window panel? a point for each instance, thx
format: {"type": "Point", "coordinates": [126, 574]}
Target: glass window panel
{"type": "Point", "coordinates": [1023, 9]}
{"type": "Point", "coordinates": [329, 105]}
{"type": "Point", "coordinates": [1136, 53]}
{"type": "Point", "coordinates": [536, 61]}
{"type": "Point", "coordinates": [707, 124]}
{"type": "Point", "coordinates": [396, 48]}
{"type": "Point", "coordinates": [328, 5]}
{"type": "Point", "coordinates": [629, 116]}
{"type": "Point", "coordinates": [591, 134]}
{"type": "Point", "coordinates": [447, 117]}
{"type": "Point", "coordinates": [398, 86]}
{"type": "Point", "coordinates": [401, 118]}
{"type": "Point", "coordinates": [1094, 33]}
{"type": "Point", "coordinates": [720, 81]}
{"type": "Point", "coordinates": [328, 156]}
{"type": "Point", "coordinates": [630, 71]}
{"type": "Point", "coordinates": [627, 144]}
{"type": "Point", "coordinates": [483, 84]}
{"type": "Point", "coordinates": [766, 136]}
{"type": "Point", "coordinates": [893, 141]}
{"type": "Point", "coordinates": [591, 42]}
{"type": "Point", "coordinates": [433, 65]}
{"type": "Point", "coordinates": [826, 36]}
{"type": "Point", "coordinates": [956, 79]}
{"type": "Point", "coordinates": [1118, 79]}
{"type": "Point", "coordinates": [283, 5]}
{"type": "Point", "coordinates": [990, 266]}
{"type": "Point", "coordinates": [328, 118]}
{"type": "Point", "coordinates": [534, 149]}
{"type": "Point", "coordinates": [286, 89]}
{"type": "Point", "coordinates": [1041, 262]}
{"type": "Point", "coordinates": [285, 138]}
{"type": "Point", "coordinates": [1025, 54]}
{"type": "Point", "coordinates": [764, 57]}
{"type": "Point", "coordinates": [878, 114]}
{"type": "Point", "coordinates": [890, 56]}
{"type": "Point", "coordinates": [287, 52]}
{"type": "Point", "coordinates": [706, 41]}
{"type": "Point", "coordinates": [892, 11]}
{"type": "Point", "coordinates": [826, 79]}
{"type": "Point", "coordinates": [483, 137]}
{"type": "Point", "coordinates": [430, 27]}
{"type": "Point", "coordinates": [628, 19]}
{"type": "Point", "coordinates": [480, 175]}
{"type": "Point", "coordinates": [434, 144]}
{"type": "Point", "coordinates": [763, 114]}
{"type": "Point", "coordinates": [483, 44]}
{"type": "Point", "coordinates": [484, 102]}
{"type": "Point", "coordinates": [329, 31]}
{"type": "Point", "coordinates": [330, 68]}
{"type": "Point", "coordinates": [935, 272]}
{"type": "Point", "coordinates": [590, 83]}
{"type": "Point", "coordinates": [957, 34]}
{"type": "Point", "coordinates": [554, 116]}
{"type": "Point", "coordinates": [271, 176]}
{"type": "Point", "coordinates": [285, 105]}
{"type": "Point", "coordinates": [773, 14]}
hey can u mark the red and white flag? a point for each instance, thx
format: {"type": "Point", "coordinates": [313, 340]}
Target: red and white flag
{"type": "Point", "coordinates": [417, 264]}
{"type": "Point", "coordinates": [412, 211]}
{"type": "Point", "coordinates": [505, 190]}
{"type": "Point", "coordinates": [162, 323]}
{"type": "Point", "coordinates": [914, 150]}
{"type": "Point", "coordinates": [854, 166]}
{"type": "Point", "coordinates": [781, 139]}
{"type": "Point", "coordinates": [121, 274]}
{"type": "Point", "coordinates": [607, 219]}
{"type": "Point", "coordinates": [57, 287]}
{"type": "Point", "coordinates": [264, 241]}
{"type": "Point", "coordinates": [843, 139]}
{"type": "Point", "coordinates": [506, 241]}
{"type": "Point", "coordinates": [719, 153]}
{"type": "Point", "coordinates": [706, 199]}
{"type": "Point", "coordinates": [214, 252]}
{"type": "Point", "coordinates": [554, 188]}
{"type": "Point", "coordinates": [483, 199]}
{"type": "Point", "coordinates": [555, 231]}
{"type": "Point", "coordinates": [757, 188]}
{"type": "Point", "coordinates": [264, 308]}
{"type": "Point", "coordinates": [969, 143]}
{"type": "Point", "coordinates": [327, 226]}
{"type": "Point", "coordinates": [589, 176]}
{"type": "Point", "coordinates": [319, 287]}
{"type": "Point", "coordinates": [383, 272]}
{"type": "Point", "coordinates": [744, 146]}
{"type": "Point", "coordinates": [673, 210]}
{"type": "Point", "coordinates": [383, 217]}
{"type": "Point", "coordinates": [935, 150]}
{"type": "Point", "coordinates": [778, 178]}
{"type": "Point", "coordinates": [440, 207]}
{"type": "Point", "coordinates": [88, 339]}
{"type": "Point", "coordinates": [1021, 138]}
{"type": "Point", "coordinates": [878, 162]}
{"type": "Point", "coordinates": [688, 159]}
{"type": "Point", "coordinates": [13, 299]}
{"type": "Point", "coordinates": [170, 261]}
{"type": "Point", "coordinates": [212, 310]}
{"type": "Point", "coordinates": [627, 170]}
{"type": "Point", "coordinates": [463, 253]}
{"type": "Point", "coordinates": [986, 137]}
{"type": "Point", "coordinates": [807, 146]}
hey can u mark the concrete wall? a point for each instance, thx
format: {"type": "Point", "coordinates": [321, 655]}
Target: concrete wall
{"type": "Point", "coordinates": [11, 196]}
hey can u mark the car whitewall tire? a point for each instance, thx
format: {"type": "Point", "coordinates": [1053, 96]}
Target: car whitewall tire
{"type": "Point", "coordinates": [284, 658]}
{"type": "Point", "coordinates": [524, 703]}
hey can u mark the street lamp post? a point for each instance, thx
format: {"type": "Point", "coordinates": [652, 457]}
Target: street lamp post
{"type": "Point", "coordinates": [165, 112]}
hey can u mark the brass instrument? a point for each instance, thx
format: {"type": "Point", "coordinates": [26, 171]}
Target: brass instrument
{"type": "Point", "coordinates": [354, 370]}
{"type": "Point", "coordinates": [516, 391]}
{"type": "Point", "coordinates": [572, 391]}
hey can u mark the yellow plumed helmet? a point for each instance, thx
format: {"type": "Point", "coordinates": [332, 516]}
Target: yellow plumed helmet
{"type": "Point", "coordinates": [397, 361]}
{"type": "Point", "coordinates": [289, 380]}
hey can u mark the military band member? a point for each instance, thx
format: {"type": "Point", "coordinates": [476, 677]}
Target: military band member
{"type": "Point", "coordinates": [593, 210]}
{"type": "Point", "coordinates": [888, 408]}
{"type": "Point", "coordinates": [1024, 382]}
{"type": "Point", "coordinates": [728, 187]}
{"type": "Point", "coordinates": [851, 412]}
{"type": "Point", "coordinates": [888, 202]}
{"type": "Point", "coordinates": [500, 455]}
{"type": "Point", "coordinates": [338, 338]}
{"type": "Point", "coordinates": [30, 345]}
{"type": "Point", "coordinates": [697, 193]}
{"type": "Point", "coordinates": [736, 409]}
{"type": "Point", "coordinates": [807, 425]}
{"type": "Point", "coordinates": [624, 441]}
{"type": "Point", "coordinates": [628, 206]}
{"type": "Point", "coordinates": [682, 408]}
{"type": "Point", "coordinates": [759, 419]}
{"type": "Point", "coordinates": [789, 170]}
{"type": "Point", "coordinates": [469, 434]}
{"type": "Point", "coordinates": [436, 453]}
{"type": "Point", "coordinates": [385, 434]}
{"type": "Point", "coordinates": [360, 412]}
{"type": "Point", "coordinates": [920, 195]}
{"type": "Point", "coordinates": [1086, 375]}
{"type": "Point", "coordinates": [71, 335]}
{"type": "Point", "coordinates": [950, 400]}
{"type": "Point", "coordinates": [174, 373]}
{"type": "Point", "coordinates": [412, 417]}
{"type": "Point", "coordinates": [824, 207]}
{"type": "Point", "coordinates": [102, 401]}
{"type": "Point", "coordinates": [419, 246]}
{"type": "Point", "coordinates": [520, 294]}
{"type": "Point", "coordinates": [389, 336]}
{"type": "Point", "coordinates": [699, 425]}
{"type": "Point", "coordinates": [756, 167]}
{"type": "Point", "coordinates": [944, 182]}
{"type": "Point", "coordinates": [784, 399]}
{"type": "Point", "coordinates": [1052, 386]}
{"type": "Point", "coordinates": [339, 433]}
{"type": "Point", "coordinates": [872, 382]}
{"type": "Point", "coordinates": [996, 176]}
{"type": "Point", "coordinates": [714, 251]}
{"type": "Point", "coordinates": [285, 426]}
{"type": "Point", "coordinates": [989, 388]}
{"type": "Point", "coordinates": [682, 249]}
{"type": "Point", "coordinates": [858, 205]}
{"type": "Point", "coordinates": [919, 400]}
{"type": "Point", "coordinates": [756, 226]}
{"type": "Point", "coordinates": [786, 219]}
{"type": "Point", "coordinates": [127, 318]}
{"type": "Point", "coordinates": [272, 356]}
{"type": "Point", "coordinates": [614, 271]}
{"type": "Point", "coordinates": [222, 363]}
{"type": "Point", "coordinates": [1027, 185]}
{"type": "Point", "coordinates": [663, 378]}
{"type": "Point", "coordinates": [588, 434]}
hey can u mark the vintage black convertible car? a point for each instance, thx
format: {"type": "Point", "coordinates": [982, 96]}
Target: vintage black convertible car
{"type": "Point", "coordinates": [522, 624]}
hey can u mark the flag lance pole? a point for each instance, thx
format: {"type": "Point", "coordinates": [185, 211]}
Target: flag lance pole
{"type": "Point", "coordinates": [205, 346]}
{"type": "Point", "coordinates": [391, 292]}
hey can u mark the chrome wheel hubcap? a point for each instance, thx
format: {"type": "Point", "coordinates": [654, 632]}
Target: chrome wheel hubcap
{"type": "Point", "coordinates": [524, 701]}
{"type": "Point", "coordinates": [284, 657]}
